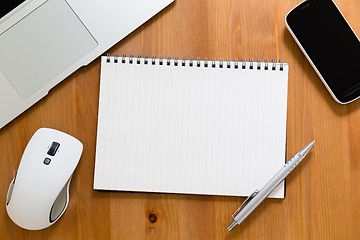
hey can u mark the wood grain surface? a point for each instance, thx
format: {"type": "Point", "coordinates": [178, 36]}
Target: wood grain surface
{"type": "Point", "coordinates": [322, 194]}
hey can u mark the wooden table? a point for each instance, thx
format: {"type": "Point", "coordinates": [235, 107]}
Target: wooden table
{"type": "Point", "coordinates": [322, 194]}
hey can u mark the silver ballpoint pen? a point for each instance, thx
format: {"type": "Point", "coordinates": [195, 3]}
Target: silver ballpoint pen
{"type": "Point", "coordinates": [259, 195]}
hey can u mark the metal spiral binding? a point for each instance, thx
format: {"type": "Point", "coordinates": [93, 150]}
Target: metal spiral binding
{"type": "Point", "coordinates": [205, 63]}
{"type": "Point", "coordinates": [281, 65]}
{"type": "Point", "coordinates": [243, 63]}
{"type": "Point", "coordinates": [274, 64]}
{"type": "Point", "coordinates": [176, 61]}
{"type": "Point", "coordinates": [138, 61]}
{"type": "Point", "coordinates": [258, 64]}
{"type": "Point", "coordinates": [266, 64]}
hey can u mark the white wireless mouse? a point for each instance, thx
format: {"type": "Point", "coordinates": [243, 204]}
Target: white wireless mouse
{"type": "Point", "coordinates": [39, 193]}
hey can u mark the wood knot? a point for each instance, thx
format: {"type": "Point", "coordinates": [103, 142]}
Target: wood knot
{"type": "Point", "coordinates": [152, 218]}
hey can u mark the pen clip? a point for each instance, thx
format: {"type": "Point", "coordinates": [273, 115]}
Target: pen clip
{"type": "Point", "coordinates": [246, 200]}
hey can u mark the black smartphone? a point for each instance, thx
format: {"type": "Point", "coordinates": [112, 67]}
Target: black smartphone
{"type": "Point", "coordinates": [331, 46]}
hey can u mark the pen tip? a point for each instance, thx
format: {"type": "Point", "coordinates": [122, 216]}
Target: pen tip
{"type": "Point", "coordinates": [306, 149]}
{"type": "Point", "coordinates": [232, 225]}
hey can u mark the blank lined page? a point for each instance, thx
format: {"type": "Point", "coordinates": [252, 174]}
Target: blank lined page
{"type": "Point", "coordinates": [189, 129]}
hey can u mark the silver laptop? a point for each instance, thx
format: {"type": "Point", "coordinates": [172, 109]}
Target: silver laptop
{"type": "Point", "coordinates": [44, 41]}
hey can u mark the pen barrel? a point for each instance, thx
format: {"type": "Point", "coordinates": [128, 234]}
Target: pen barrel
{"type": "Point", "coordinates": [282, 173]}
{"type": "Point", "coordinates": [268, 188]}
{"type": "Point", "coordinates": [232, 225]}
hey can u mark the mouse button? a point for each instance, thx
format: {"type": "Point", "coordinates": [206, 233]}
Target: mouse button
{"type": "Point", "coordinates": [61, 165]}
{"type": "Point", "coordinates": [41, 135]}
{"type": "Point", "coordinates": [67, 157]}
{"type": "Point", "coordinates": [53, 148]}
{"type": "Point", "coordinates": [47, 161]}
{"type": "Point", "coordinates": [34, 151]}
{"type": "Point", "coordinates": [71, 143]}
{"type": "Point", "coordinates": [60, 203]}
{"type": "Point", "coordinates": [32, 168]}
{"type": "Point", "coordinates": [10, 191]}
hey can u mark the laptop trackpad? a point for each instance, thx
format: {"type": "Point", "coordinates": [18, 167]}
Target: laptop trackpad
{"type": "Point", "coordinates": [42, 45]}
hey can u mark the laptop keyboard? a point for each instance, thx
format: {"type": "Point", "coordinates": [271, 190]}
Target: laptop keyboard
{"type": "Point", "coordinates": [7, 6]}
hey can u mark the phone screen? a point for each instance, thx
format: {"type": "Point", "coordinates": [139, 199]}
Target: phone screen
{"type": "Point", "coordinates": [331, 45]}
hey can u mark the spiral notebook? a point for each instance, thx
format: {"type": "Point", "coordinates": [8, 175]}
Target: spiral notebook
{"type": "Point", "coordinates": [190, 126]}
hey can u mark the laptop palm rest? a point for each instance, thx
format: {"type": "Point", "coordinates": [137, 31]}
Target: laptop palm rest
{"type": "Point", "coordinates": [43, 45]}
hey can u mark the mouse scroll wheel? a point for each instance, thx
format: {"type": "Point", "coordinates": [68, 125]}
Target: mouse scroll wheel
{"type": "Point", "coordinates": [53, 148]}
